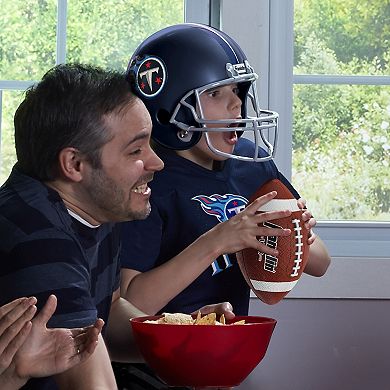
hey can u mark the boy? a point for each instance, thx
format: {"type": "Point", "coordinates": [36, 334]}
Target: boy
{"type": "Point", "coordinates": [197, 85]}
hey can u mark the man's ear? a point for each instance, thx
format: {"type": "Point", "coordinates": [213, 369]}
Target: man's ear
{"type": "Point", "coordinates": [71, 164]}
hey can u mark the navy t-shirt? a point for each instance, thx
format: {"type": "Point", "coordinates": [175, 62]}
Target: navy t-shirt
{"type": "Point", "coordinates": [43, 251]}
{"type": "Point", "coordinates": [187, 200]}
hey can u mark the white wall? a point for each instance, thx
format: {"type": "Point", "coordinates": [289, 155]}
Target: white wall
{"type": "Point", "coordinates": [325, 344]}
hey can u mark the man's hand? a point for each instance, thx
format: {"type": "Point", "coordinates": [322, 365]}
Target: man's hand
{"type": "Point", "coordinates": [51, 351]}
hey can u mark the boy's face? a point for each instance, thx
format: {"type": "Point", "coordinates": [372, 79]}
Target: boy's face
{"type": "Point", "coordinates": [220, 103]}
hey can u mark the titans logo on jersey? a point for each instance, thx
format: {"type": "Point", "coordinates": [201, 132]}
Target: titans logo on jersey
{"type": "Point", "coordinates": [221, 207]}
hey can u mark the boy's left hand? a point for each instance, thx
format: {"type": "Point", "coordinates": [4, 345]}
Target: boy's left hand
{"type": "Point", "coordinates": [308, 219]}
{"type": "Point", "coordinates": [224, 308]}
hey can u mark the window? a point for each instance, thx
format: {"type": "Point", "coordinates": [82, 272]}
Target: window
{"type": "Point", "coordinates": [341, 116]}
{"type": "Point", "coordinates": [36, 35]}
{"type": "Point", "coordinates": [358, 239]}
{"type": "Point", "coordinates": [341, 108]}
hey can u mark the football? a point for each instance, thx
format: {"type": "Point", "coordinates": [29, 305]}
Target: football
{"type": "Point", "coordinates": [272, 278]}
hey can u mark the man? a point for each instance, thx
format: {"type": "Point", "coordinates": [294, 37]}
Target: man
{"type": "Point", "coordinates": [83, 161]}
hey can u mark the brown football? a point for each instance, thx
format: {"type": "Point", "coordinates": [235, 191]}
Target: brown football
{"type": "Point", "coordinates": [271, 278]}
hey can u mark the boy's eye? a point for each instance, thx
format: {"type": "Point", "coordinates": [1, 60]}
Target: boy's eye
{"type": "Point", "coordinates": [213, 93]}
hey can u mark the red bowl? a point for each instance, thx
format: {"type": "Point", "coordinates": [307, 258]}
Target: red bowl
{"type": "Point", "coordinates": [203, 355]}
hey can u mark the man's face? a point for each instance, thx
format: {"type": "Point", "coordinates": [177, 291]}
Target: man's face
{"type": "Point", "coordinates": [119, 189]}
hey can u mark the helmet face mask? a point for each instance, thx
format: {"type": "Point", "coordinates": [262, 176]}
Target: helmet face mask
{"type": "Point", "coordinates": [203, 59]}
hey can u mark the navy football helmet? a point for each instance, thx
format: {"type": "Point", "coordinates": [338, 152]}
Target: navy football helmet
{"type": "Point", "coordinates": [174, 66]}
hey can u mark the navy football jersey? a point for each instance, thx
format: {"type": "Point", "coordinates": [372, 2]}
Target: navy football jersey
{"type": "Point", "coordinates": [187, 200]}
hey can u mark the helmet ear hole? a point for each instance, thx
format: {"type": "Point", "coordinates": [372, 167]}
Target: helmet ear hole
{"type": "Point", "coordinates": [163, 117]}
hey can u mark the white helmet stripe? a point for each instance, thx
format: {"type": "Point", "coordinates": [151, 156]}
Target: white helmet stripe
{"type": "Point", "coordinates": [216, 33]}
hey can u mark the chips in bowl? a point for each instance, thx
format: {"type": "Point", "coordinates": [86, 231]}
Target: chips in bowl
{"type": "Point", "coordinates": [202, 351]}
{"type": "Point", "coordinates": [187, 319]}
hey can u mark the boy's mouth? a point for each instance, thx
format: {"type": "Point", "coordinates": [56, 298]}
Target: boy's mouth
{"type": "Point", "coordinates": [231, 137]}
{"type": "Point", "coordinates": [232, 125]}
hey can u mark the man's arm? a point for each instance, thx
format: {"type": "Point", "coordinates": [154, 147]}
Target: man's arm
{"type": "Point", "coordinates": [95, 373]}
{"type": "Point", "coordinates": [119, 335]}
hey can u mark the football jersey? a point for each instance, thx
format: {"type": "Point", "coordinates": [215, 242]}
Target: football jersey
{"type": "Point", "coordinates": [188, 200]}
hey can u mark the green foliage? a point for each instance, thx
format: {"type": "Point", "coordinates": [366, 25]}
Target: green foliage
{"type": "Point", "coordinates": [341, 135]}
{"type": "Point", "coordinates": [28, 38]}
{"type": "Point", "coordinates": [109, 38]}
{"type": "Point", "coordinates": [349, 28]}
{"type": "Point", "coordinates": [348, 177]}
{"type": "Point", "coordinates": [100, 32]}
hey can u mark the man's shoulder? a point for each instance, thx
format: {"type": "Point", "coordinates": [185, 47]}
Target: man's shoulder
{"type": "Point", "coordinates": [28, 208]}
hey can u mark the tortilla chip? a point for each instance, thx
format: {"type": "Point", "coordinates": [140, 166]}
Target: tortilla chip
{"type": "Point", "coordinates": [178, 318]}
{"type": "Point", "coordinates": [208, 319]}
{"type": "Point", "coordinates": [241, 322]}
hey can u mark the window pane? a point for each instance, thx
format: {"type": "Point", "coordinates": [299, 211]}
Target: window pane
{"type": "Point", "coordinates": [106, 32]}
{"type": "Point", "coordinates": [11, 100]}
{"type": "Point", "coordinates": [342, 37]}
{"type": "Point", "coordinates": [341, 150]}
{"type": "Point", "coordinates": [100, 32]}
{"type": "Point", "coordinates": [28, 38]}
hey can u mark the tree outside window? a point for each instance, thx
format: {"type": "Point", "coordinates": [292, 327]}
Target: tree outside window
{"type": "Point", "coordinates": [341, 124]}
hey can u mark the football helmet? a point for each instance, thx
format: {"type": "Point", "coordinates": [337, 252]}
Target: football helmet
{"type": "Point", "coordinates": [174, 66]}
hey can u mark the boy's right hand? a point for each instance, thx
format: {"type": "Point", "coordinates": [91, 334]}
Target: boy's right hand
{"type": "Point", "coordinates": [242, 230]}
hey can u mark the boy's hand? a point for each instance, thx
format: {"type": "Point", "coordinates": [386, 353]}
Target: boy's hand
{"type": "Point", "coordinates": [308, 219]}
{"type": "Point", "coordinates": [242, 230]}
{"type": "Point", "coordinates": [219, 308]}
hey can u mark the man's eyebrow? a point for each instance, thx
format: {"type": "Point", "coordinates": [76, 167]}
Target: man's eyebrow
{"type": "Point", "coordinates": [144, 134]}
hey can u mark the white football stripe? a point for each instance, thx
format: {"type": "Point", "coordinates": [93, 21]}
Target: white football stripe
{"type": "Point", "coordinates": [273, 286]}
{"type": "Point", "coordinates": [279, 205]}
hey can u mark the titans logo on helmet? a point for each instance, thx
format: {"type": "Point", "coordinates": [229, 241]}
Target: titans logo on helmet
{"type": "Point", "coordinates": [150, 76]}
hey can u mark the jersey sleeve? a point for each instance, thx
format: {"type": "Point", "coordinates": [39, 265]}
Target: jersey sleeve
{"type": "Point", "coordinates": [51, 265]}
{"type": "Point", "coordinates": [284, 180]}
{"type": "Point", "coordinates": [280, 176]}
{"type": "Point", "coordinates": [141, 241]}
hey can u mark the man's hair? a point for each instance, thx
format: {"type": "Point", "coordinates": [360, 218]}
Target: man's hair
{"type": "Point", "coordinates": [66, 109]}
